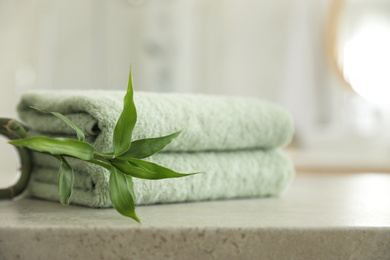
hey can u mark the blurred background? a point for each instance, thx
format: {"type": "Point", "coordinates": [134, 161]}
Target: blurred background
{"type": "Point", "coordinates": [326, 61]}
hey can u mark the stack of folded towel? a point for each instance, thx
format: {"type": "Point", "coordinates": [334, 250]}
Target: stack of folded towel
{"type": "Point", "coordinates": [235, 142]}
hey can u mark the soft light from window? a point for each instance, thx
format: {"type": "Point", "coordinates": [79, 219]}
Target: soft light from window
{"type": "Point", "coordinates": [367, 62]}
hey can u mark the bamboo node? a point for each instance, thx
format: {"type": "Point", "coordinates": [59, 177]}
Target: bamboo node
{"type": "Point", "coordinates": [8, 126]}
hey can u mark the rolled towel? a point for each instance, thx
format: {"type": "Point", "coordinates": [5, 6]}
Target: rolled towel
{"type": "Point", "coordinates": [233, 141]}
{"type": "Point", "coordinates": [211, 123]}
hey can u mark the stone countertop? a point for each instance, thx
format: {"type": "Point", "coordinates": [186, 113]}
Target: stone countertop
{"type": "Point", "coordinates": [322, 216]}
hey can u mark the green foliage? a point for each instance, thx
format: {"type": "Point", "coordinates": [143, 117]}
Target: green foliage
{"type": "Point", "coordinates": [57, 146]}
{"type": "Point", "coordinates": [144, 148]}
{"type": "Point", "coordinates": [145, 170]}
{"type": "Point", "coordinates": [65, 181]}
{"type": "Point", "coordinates": [126, 122]}
{"type": "Point", "coordinates": [79, 132]}
{"type": "Point", "coordinates": [122, 194]}
{"type": "Point", "coordinates": [124, 162]}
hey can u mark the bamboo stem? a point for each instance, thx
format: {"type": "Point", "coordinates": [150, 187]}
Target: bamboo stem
{"type": "Point", "coordinates": [12, 129]}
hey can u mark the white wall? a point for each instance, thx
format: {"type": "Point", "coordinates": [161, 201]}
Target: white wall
{"type": "Point", "coordinates": [211, 46]}
{"type": "Point", "coordinates": [269, 49]}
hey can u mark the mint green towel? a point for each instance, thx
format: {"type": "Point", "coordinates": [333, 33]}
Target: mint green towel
{"type": "Point", "coordinates": [212, 123]}
{"type": "Point", "coordinates": [240, 174]}
{"type": "Point", "coordinates": [234, 141]}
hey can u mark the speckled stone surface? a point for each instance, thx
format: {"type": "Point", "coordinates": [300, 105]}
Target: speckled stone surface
{"type": "Point", "coordinates": [320, 217]}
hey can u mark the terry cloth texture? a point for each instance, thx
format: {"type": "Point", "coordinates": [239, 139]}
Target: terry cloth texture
{"type": "Point", "coordinates": [233, 141]}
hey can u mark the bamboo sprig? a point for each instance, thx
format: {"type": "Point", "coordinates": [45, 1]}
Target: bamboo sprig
{"type": "Point", "coordinates": [12, 129]}
{"type": "Point", "coordinates": [123, 163]}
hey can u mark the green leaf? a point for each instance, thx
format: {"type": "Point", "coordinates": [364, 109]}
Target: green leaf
{"type": "Point", "coordinates": [57, 146]}
{"type": "Point", "coordinates": [79, 132]}
{"type": "Point", "coordinates": [130, 183]}
{"type": "Point", "coordinates": [122, 194]}
{"type": "Point", "coordinates": [144, 148]}
{"type": "Point", "coordinates": [100, 163]}
{"type": "Point", "coordinates": [145, 170]}
{"type": "Point", "coordinates": [126, 122]}
{"type": "Point", "coordinates": [65, 181]}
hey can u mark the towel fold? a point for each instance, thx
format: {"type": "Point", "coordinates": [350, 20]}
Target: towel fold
{"type": "Point", "coordinates": [234, 141]}
{"type": "Point", "coordinates": [211, 123]}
